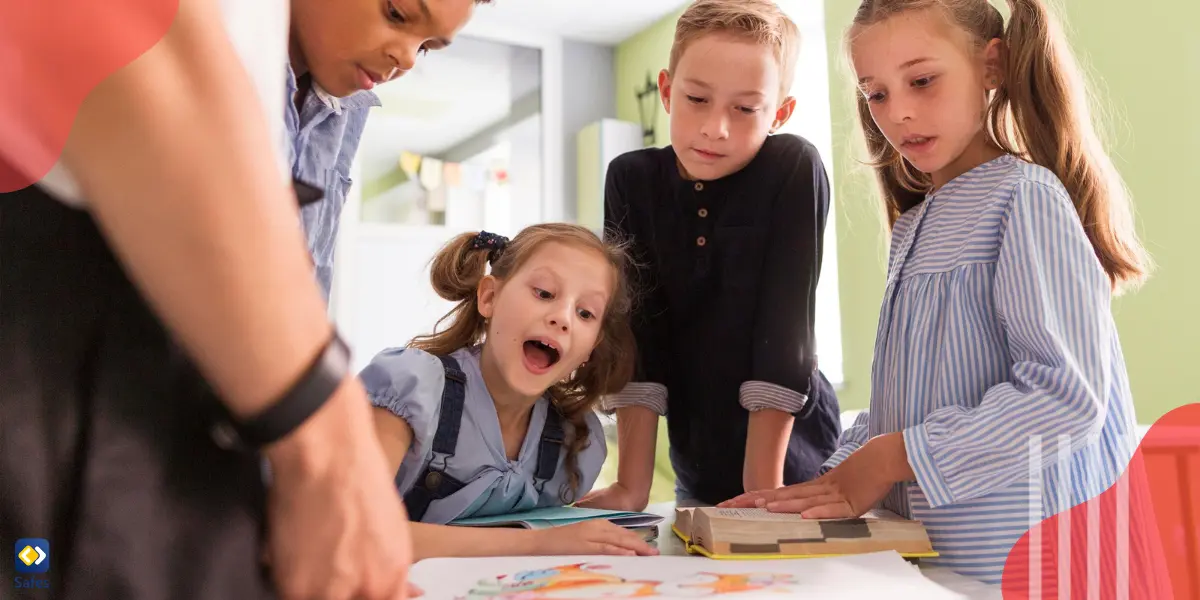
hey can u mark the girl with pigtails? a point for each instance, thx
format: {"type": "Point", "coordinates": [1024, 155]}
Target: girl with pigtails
{"type": "Point", "coordinates": [494, 413]}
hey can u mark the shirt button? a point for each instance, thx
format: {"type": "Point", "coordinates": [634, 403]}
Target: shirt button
{"type": "Point", "coordinates": [699, 186]}
{"type": "Point", "coordinates": [224, 436]}
{"type": "Point", "coordinates": [702, 212]}
{"type": "Point", "coordinates": [433, 480]}
{"type": "Point", "coordinates": [700, 241]}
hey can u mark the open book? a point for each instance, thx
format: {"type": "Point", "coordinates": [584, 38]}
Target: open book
{"type": "Point", "coordinates": [752, 533]}
{"type": "Point", "coordinates": [544, 518]}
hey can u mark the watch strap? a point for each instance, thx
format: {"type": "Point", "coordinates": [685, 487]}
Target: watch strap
{"type": "Point", "coordinates": [316, 384]}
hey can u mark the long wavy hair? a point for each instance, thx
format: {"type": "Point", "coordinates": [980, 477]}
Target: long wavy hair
{"type": "Point", "coordinates": [1039, 113]}
{"type": "Point", "coordinates": [456, 273]}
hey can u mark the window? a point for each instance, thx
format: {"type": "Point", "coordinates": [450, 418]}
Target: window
{"type": "Point", "coordinates": [811, 120]}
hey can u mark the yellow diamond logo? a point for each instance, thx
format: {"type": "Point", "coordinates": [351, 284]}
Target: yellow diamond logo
{"type": "Point", "coordinates": [28, 555]}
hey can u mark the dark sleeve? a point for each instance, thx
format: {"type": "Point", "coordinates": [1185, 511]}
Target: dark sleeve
{"type": "Point", "coordinates": [648, 386]}
{"type": "Point", "coordinates": [784, 354]}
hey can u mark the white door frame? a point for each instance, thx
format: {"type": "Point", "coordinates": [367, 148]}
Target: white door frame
{"type": "Point", "coordinates": [551, 47]}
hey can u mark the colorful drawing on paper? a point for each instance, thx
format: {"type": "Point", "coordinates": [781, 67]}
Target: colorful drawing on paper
{"type": "Point", "coordinates": [585, 581]}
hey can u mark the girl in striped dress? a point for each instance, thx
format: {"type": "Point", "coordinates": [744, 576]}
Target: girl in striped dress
{"type": "Point", "coordinates": [999, 392]}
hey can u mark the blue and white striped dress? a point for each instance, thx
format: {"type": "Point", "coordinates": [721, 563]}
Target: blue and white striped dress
{"type": "Point", "coordinates": [998, 358]}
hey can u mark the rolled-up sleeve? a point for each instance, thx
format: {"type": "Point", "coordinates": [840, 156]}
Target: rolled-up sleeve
{"type": "Point", "coordinates": [645, 394]}
{"type": "Point", "coordinates": [1053, 298]}
{"type": "Point", "coordinates": [784, 346]}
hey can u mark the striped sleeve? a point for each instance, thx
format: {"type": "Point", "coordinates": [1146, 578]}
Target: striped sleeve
{"type": "Point", "coordinates": [760, 395]}
{"type": "Point", "coordinates": [1053, 299]}
{"type": "Point", "coordinates": [648, 395]}
{"type": "Point", "coordinates": [851, 440]}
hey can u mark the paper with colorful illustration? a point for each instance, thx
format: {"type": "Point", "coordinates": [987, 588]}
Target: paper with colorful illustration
{"type": "Point", "coordinates": [866, 577]}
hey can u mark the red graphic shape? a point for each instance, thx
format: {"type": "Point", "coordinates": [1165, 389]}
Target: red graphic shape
{"type": "Point", "coordinates": [1140, 539]}
{"type": "Point", "coordinates": [53, 53]}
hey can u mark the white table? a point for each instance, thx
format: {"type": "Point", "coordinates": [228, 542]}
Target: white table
{"type": "Point", "coordinates": [669, 544]}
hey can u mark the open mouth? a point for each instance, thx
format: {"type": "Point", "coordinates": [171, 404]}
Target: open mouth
{"type": "Point", "coordinates": [917, 142]}
{"type": "Point", "coordinates": [540, 356]}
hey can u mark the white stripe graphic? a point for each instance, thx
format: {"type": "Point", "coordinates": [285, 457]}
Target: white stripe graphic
{"type": "Point", "coordinates": [1093, 537]}
{"type": "Point", "coordinates": [1123, 538]}
{"type": "Point", "coordinates": [1064, 520]}
{"type": "Point", "coordinates": [1035, 517]}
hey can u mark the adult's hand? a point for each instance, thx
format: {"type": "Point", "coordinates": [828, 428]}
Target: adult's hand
{"type": "Point", "coordinates": [337, 527]}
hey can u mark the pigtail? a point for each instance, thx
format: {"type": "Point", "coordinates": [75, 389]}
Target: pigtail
{"type": "Point", "coordinates": [607, 372]}
{"type": "Point", "coordinates": [1041, 113]}
{"type": "Point", "coordinates": [574, 412]}
{"type": "Point", "coordinates": [455, 274]}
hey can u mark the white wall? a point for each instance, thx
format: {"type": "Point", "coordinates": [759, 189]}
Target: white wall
{"type": "Point", "coordinates": [589, 84]}
{"type": "Point", "coordinates": [525, 168]}
{"type": "Point", "coordinates": [524, 140]}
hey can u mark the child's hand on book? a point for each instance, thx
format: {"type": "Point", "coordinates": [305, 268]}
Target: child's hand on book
{"type": "Point", "coordinates": [592, 537]}
{"type": "Point", "coordinates": [848, 490]}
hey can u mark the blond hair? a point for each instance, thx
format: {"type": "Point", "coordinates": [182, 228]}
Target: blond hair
{"type": "Point", "coordinates": [761, 21]}
{"type": "Point", "coordinates": [456, 273]}
{"type": "Point", "coordinates": [1039, 113]}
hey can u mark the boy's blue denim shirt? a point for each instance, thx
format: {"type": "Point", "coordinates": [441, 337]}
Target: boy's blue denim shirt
{"type": "Point", "coordinates": [324, 134]}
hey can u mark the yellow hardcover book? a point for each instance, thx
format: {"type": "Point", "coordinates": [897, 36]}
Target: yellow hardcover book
{"type": "Point", "coordinates": [756, 534]}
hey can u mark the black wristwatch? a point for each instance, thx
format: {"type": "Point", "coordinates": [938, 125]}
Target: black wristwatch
{"type": "Point", "coordinates": [318, 382]}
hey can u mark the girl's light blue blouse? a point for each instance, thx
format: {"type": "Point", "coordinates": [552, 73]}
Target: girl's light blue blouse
{"type": "Point", "coordinates": [997, 357]}
{"type": "Point", "coordinates": [408, 383]}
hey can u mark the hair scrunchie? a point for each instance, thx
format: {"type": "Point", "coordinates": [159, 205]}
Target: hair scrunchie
{"type": "Point", "coordinates": [493, 243]}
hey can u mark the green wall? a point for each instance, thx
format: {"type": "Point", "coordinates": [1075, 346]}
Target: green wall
{"type": "Point", "coordinates": [644, 53]}
{"type": "Point", "coordinates": [1144, 61]}
{"type": "Point", "coordinates": [862, 239]}
{"type": "Point", "coordinates": [1145, 64]}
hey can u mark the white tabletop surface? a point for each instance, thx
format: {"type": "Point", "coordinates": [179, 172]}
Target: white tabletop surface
{"type": "Point", "coordinates": [669, 544]}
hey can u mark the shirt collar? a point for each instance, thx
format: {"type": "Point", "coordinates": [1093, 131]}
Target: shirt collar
{"type": "Point", "coordinates": [981, 171]}
{"type": "Point", "coordinates": [357, 100]}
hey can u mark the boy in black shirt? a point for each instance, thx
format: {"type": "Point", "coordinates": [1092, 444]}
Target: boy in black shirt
{"type": "Point", "coordinates": [727, 225]}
